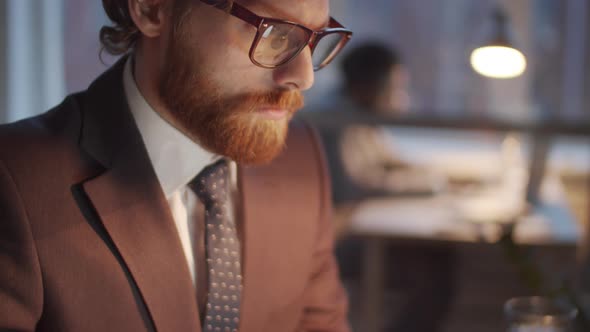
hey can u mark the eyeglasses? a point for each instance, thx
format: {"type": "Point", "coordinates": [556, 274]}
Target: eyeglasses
{"type": "Point", "coordinates": [278, 42]}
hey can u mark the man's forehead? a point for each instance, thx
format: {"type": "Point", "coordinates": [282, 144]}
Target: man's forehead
{"type": "Point", "coordinates": [311, 13]}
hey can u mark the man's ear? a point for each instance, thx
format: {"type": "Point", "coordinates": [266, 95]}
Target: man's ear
{"type": "Point", "coordinates": [149, 16]}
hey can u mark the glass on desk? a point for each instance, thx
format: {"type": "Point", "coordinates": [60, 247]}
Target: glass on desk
{"type": "Point", "coordinates": [539, 314]}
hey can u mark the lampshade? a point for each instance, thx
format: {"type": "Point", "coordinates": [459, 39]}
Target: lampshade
{"type": "Point", "coordinates": [498, 58]}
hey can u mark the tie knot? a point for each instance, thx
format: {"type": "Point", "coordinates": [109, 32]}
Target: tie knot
{"type": "Point", "coordinates": [211, 184]}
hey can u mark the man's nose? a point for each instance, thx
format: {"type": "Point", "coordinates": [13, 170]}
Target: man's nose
{"type": "Point", "coordinates": [297, 74]}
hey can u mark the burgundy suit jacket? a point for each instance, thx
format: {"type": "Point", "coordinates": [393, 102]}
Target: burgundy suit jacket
{"type": "Point", "coordinates": [88, 243]}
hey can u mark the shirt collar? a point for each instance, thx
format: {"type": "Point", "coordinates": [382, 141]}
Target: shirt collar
{"type": "Point", "coordinates": [176, 159]}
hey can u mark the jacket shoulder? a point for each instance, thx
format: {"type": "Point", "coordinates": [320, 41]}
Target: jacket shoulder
{"type": "Point", "coordinates": [59, 124]}
{"type": "Point", "coordinates": [44, 144]}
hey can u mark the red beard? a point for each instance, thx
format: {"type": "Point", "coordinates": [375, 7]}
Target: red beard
{"type": "Point", "coordinates": [224, 126]}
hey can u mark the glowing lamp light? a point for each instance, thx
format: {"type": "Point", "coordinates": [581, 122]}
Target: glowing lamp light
{"type": "Point", "coordinates": [498, 61]}
{"type": "Point", "coordinates": [498, 58]}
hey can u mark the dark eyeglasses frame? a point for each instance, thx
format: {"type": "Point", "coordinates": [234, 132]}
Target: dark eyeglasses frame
{"type": "Point", "coordinates": [261, 22]}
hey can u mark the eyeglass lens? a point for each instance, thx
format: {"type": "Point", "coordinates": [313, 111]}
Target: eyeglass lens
{"type": "Point", "coordinates": [325, 49]}
{"type": "Point", "coordinates": [279, 42]}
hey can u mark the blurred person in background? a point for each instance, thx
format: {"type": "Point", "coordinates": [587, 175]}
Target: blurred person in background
{"type": "Point", "coordinates": [141, 204]}
{"type": "Point", "coordinates": [364, 165]}
{"type": "Point", "coordinates": [361, 152]}
{"type": "Point", "coordinates": [376, 80]}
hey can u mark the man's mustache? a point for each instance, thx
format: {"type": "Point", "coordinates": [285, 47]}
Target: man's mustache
{"type": "Point", "coordinates": [283, 99]}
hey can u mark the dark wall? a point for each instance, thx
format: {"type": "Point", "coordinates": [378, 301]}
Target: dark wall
{"type": "Point", "coordinates": [3, 32]}
{"type": "Point", "coordinates": [586, 110]}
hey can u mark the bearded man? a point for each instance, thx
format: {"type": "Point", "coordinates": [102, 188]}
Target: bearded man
{"type": "Point", "coordinates": [174, 194]}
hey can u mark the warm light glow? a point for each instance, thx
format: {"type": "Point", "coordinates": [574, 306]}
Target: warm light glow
{"type": "Point", "coordinates": [498, 61]}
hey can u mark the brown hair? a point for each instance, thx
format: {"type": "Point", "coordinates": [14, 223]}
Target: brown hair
{"type": "Point", "coordinates": [123, 34]}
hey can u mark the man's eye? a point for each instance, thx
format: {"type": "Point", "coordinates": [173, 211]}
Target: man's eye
{"type": "Point", "coordinates": [279, 42]}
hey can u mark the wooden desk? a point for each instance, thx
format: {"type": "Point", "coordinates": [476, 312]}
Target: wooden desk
{"type": "Point", "coordinates": [442, 218]}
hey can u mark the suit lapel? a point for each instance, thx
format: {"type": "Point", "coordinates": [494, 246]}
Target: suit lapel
{"type": "Point", "coordinates": [129, 202]}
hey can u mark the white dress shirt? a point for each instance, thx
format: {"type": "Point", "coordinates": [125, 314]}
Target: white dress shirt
{"type": "Point", "coordinates": [176, 160]}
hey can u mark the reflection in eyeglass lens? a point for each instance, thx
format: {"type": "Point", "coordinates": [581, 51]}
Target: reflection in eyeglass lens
{"type": "Point", "coordinates": [278, 43]}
